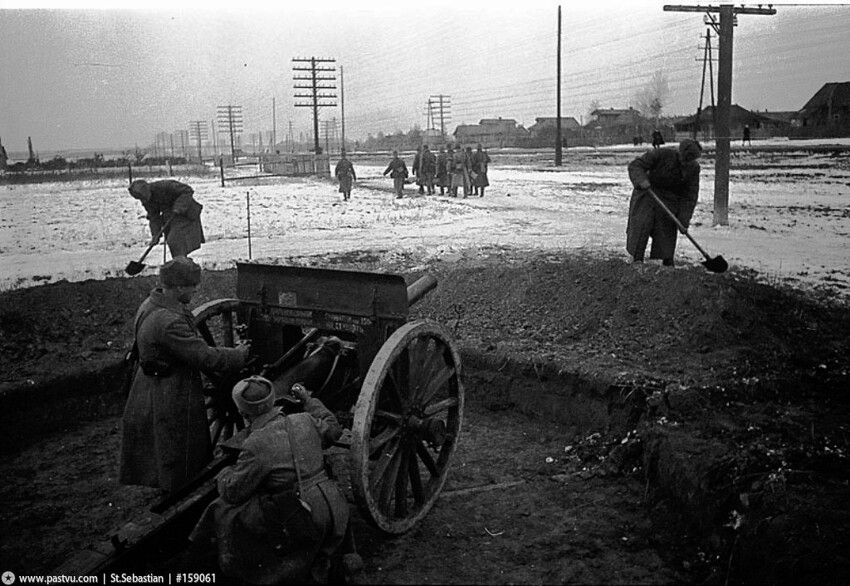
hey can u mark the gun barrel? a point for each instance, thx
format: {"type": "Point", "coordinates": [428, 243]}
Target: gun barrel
{"type": "Point", "coordinates": [420, 288]}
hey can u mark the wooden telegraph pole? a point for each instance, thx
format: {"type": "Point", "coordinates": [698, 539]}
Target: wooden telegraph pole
{"type": "Point", "coordinates": [558, 149]}
{"type": "Point", "coordinates": [320, 93]}
{"type": "Point", "coordinates": [728, 14]}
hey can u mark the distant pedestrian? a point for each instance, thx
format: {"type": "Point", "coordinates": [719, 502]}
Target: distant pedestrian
{"type": "Point", "coordinates": [657, 139]}
{"type": "Point", "coordinates": [171, 212]}
{"type": "Point", "coordinates": [746, 138]}
{"type": "Point", "coordinates": [480, 162]}
{"type": "Point", "coordinates": [417, 160]}
{"type": "Point", "coordinates": [442, 169]}
{"type": "Point", "coordinates": [467, 172]}
{"type": "Point", "coordinates": [398, 171]}
{"type": "Point", "coordinates": [673, 174]}
{"type": "Point", "coordinates": [458, 170]}
{"type": "Point", "coordinates": [344, 172]}
{"type": "Point", "coordinates": [427, 169]}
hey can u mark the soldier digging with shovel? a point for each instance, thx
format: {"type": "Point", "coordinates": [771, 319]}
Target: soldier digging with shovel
{"type": "Point", "coordinates": [666, 189]}
{"type": "Point", "coordinates": [172, 212]}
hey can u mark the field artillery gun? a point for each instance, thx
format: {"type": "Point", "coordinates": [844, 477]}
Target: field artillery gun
{"type": "Point", "coordinates": [394, 385]}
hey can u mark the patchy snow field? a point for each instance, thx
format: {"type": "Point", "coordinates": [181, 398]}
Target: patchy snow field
{"type": "Point", "coordinates": [789, 216]}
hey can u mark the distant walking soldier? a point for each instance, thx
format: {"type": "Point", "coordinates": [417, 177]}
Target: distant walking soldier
{"type": "Point", "coordinates": [398, 171]}
{"type": "Point", "coordinates": [417, 159]}
{"type": "Point", "coordinates": [467, 172]}
{"type": "Point", "coordinates": [172, 212]}
{"type": "Point", "coordinates": [427, 169]}
{"type": "Point", "coordinates": [746, 138]}
{"type": "Point", "coordinates": [344, 172]}
{"type": "Point", "coordinates": [673, 174]}
{"type": "Point", "coordinates": [657, 139]}
{"type": "Point", "coordinates": [442, 169]}
{"type": "Point", "coordinates": [458, 170]}
{"type": "Point", "coordinates": [480, 161]}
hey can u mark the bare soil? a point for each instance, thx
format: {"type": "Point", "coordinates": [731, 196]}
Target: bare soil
{"type": "Point", "coordinates": [745, 381]}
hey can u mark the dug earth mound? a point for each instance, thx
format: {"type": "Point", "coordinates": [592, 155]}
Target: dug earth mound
{"type": "Point", "coordinates": [734, 392]}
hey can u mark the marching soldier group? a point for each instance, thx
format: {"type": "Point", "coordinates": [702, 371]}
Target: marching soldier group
{"type": "Point", "coordinates": [453, 169]}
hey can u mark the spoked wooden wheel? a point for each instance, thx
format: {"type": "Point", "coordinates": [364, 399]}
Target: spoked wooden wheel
{"type": "Point", "coordinates": [217, 322]}
{"type": "Point", "coordinates": [406, 426]}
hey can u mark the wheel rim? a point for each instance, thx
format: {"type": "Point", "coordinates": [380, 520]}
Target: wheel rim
{"type": "Point", "coordinates": [218, 323]}
{"type": "Point", "coordinates": [407, 424]}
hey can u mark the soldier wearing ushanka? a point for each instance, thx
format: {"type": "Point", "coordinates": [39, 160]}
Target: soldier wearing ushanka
{"type": "Point", "coordinates": [165, 432]}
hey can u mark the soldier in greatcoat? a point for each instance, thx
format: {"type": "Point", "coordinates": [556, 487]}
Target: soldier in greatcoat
{"type": "Point", "coordinates": [279, 518]}
{"type": "Point", "coordinates": [459, 171]}
{"type": "Point", "coordinates": [673, 174]}
{"type": "Point", "coordinates": [170, 205]}
{"type": "Point", "coordinates": [427, 169]}
{"type": "Point", "coordinates": [398, 171]}
{"type": "Point", "coordinates": [480, 162]}
{"type": "Point", "coordinates": [442, 172]}
{"type": "Point", "coordinates": [417, 161]}
{"type": "Point", "coordinates": [344, 172]}
{"type": "Point", "coordinates": [165, 431]}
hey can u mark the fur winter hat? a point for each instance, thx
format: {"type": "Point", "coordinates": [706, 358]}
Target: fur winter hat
{"type": "Point", "coordinates": [690, 150]}
{"type": "Point", "coordinates": [254, 396]}
{"type": "Point", "coordinates": [179, 272]}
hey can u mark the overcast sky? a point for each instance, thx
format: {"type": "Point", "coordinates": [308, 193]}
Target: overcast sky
{"type": "Point", "coordinates": [90, 77]}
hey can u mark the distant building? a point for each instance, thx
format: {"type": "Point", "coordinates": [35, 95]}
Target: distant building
{"type": "Point", "coordinates": [761, 125]}
{"type": "Point", "coordinates": [618, 126]}
{"type": "Point", "coordinates": [490, 133]}
{"type": "Point", "coordinates": [4, 158]}
{"type": "Point", "coordinates": [827, 113]}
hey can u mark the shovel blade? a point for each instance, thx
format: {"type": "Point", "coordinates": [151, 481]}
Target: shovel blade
{"type": "Point", "coordinates": [717, 264]}
{"type": "Point", "coordinates": [134, 267]}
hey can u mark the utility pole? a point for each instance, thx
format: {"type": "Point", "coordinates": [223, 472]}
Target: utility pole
{"type": "Point", "coordinates": [230, 118]}
{"type": "Point", "coordinates": [707, 60]}
{"type": "Point", "coordinates": [316, 99]}
{"type": "Point", "coordinates": [558, 148]}
{"type": "Point", "coordinates": [214, 141]}
{"type": "Point", "coordinates": [274, 128]}
{"type": "Point", "coordinates": [291, 139]}
{"type": "Point", "coordinates": [198, 131]}
{"type": "Point", "coordinates": [728, 13]}
{"type": "Point", "coordinates": [443, 104]}
{"type": "Point", "coordinates": [342, 104]}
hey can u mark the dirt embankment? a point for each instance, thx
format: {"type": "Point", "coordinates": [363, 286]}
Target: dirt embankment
{"type": "Point", "coordinates": [740, 431]}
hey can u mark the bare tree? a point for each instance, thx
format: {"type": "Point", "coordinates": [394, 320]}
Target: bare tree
{"type": "Point", "coordinates": [592, 107]}
{"type": "Point", "coordinates": [652, 98]}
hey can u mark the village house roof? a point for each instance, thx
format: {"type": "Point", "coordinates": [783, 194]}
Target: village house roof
{"type": "Point", "coordinates": [567, 123]}
{"type": "Point", "coordinates": [832, 100]}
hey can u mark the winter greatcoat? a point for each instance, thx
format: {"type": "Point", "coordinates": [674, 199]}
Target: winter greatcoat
{"type": "Point", "coordinates": [443, 170]}
{"type": "Point", "coordinates": [459, 171]}
{"type": "Point", "coordinates": [427, 169]}
{"type": "Point", "coordinates": [345, 173]}
{"type": "Point", "coordinates": [398, 171]}
{"type": "Point", "coordinates": [677, 184]}
{"type": "Point", "coordinates": [170, 198]}
{"type": "Point", "coordinates": [165, 432]}
{"type": "Point", "coordinates": [480, 160]}
{"type": "Point", "coordinates": [245, 520]}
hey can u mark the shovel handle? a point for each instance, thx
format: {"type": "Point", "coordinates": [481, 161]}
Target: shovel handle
{"type": "Point", "coordinates": [156, 240]}
{"type": "Point", "coordinates": [679, 225]}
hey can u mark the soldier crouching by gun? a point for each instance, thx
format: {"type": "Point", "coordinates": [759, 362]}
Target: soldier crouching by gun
{"type": "Point", "coordinates": [279, 517]}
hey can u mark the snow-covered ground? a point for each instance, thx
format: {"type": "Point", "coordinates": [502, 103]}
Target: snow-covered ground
{"type": "Point", "coordinates": [789, 218]}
